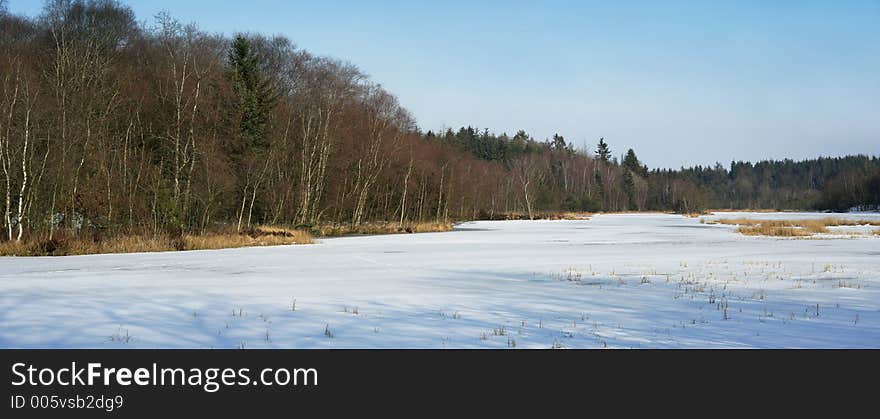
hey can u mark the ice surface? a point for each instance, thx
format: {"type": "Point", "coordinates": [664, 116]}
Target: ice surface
{"type": "Point", "coordinates": [633, 280]}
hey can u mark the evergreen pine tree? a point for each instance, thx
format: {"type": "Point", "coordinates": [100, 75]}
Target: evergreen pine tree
{"type": "Point", "coordinates": [602, 150]}
{"type": "Point", "coordinates": [253, 93]}
{"type": "Point", "coordinates": [631, 162]}
{"type": "Point", "coordinates": [558, 142]}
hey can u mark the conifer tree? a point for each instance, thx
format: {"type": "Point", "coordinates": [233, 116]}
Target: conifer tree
{"type": "Point", "coordinates": [253, 93]}
{"type": "Point", "coordinates": [631, 162]}
{"type": "Point", "coordinates": [602, 150]}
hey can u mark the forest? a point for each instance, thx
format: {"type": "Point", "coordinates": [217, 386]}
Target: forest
{"type": "Point", "coordinates": [109, 126]}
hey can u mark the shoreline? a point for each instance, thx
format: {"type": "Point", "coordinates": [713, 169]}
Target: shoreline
{"type": "Point", "coordinates": [263, 236]}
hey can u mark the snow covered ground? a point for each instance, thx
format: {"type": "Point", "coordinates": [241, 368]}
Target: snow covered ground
{"type": "Point", "coordinates": [616, 281]}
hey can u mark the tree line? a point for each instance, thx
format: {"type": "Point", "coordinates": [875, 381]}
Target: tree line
{"type": "Point", "coordinates": [568, 179]}
{"type": "Point", "coordinates": [111, 126]}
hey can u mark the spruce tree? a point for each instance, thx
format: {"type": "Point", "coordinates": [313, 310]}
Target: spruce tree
{"type": "Point", "coordinates": [631, 162]}
{"type": "Point", "coordinates": [602, 150]}
{"type": "Point", "coordinates": [254, 98]}
{"type": "Point", "coordinates": [558, 142]}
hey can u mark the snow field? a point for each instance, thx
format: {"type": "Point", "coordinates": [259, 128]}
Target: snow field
{"type": "Point", "coordinates": [614, 281]}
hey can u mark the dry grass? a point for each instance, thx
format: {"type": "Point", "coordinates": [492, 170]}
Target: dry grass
{"type": "Point", "coordinates": [331, 230]}
{"type": "Point", "coordinates": [573, 216]}
{"type": "Point", "coordinates": [767, 210]}
{"type": "Point", "coordinates": [135, 243]}
{"type": "Point", "coordinates": [86, 246]}
{"type": "Point", "coordinates": [259, 236]}
{"type": "Point", "coordinates": [563, 215]}
{"type": "Point", "coordinates": [789, 228]}
{"type": "Point", "coordinates": [14, 248]}
{"type": "Point", "coordinates": [769, 230]}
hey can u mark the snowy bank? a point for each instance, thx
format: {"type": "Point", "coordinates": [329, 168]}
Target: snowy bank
{"type": "Point", "coordinates": [622, 280]}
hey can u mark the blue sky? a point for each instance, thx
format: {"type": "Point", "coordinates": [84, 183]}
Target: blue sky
{"type": "Point", "coordinates": [681, 82]}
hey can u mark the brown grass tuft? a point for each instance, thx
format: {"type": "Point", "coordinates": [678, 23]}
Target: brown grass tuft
{"type": "Point", "coordinates": [573, 216]}
{"type": "Point", "coordinates": [332, 230]}
{"type": "Point", "coordinates": [788, 228]}
{"type": "Point", "coordinates": [257, 236]}
{"type": "Point", "coordinates": [14, 248]}
{"type": "Point", "coordinates": [135, 243]}
{"type": "Point", "coordinates": [540, 215]}
{"type": "Point", "coordinates": [85, 246]}
{"type": "Point", "coordinates": [769, 230]}
{"type": "Point", "coordinates": [743, 210]}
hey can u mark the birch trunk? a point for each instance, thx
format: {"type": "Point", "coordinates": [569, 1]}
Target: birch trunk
{"type": "Point", "coordinates": [403, 198]}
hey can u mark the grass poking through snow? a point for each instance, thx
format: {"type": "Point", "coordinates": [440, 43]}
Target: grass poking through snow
{"type": "Point", "coordinates": [790, 228]}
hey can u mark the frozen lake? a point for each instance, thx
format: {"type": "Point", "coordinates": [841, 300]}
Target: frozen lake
{"type": "Point", "coordinates": [617, 281]}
